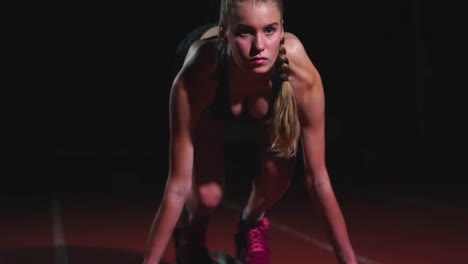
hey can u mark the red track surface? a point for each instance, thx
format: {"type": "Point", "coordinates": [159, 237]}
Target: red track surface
{"type": "Point", "coordinates": [385, 228]}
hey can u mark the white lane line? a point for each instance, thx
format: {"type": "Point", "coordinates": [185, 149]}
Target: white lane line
{"type": "Point", "coordinates": [61, 256]}
{"type": "Point", "coordinates": [300, 235]}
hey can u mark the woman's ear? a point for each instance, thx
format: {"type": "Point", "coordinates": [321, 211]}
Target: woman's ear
{"type": "Point", "coordinates": [222, 34]}
{"type": "Point", "coordinates": [282, 29]}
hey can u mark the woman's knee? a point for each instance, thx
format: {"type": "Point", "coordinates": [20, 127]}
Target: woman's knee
{"type": "Point", "coordinates": [275, 179]}
{"type": "Point", "coordinates": [210, 195]}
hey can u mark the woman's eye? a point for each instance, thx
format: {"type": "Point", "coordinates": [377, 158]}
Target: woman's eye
{"type": "Point", "coordinates": [270, 30]}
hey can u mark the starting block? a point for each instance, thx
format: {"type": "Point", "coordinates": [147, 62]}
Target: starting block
{"type": "Point", "coordinates": [222, 257]}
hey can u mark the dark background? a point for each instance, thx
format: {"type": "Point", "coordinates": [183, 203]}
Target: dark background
{"type": "Point", "coordinates": [91, 86]}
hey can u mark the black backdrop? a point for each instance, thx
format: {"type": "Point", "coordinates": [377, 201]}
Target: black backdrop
{"type": "Point", "coordinates": [92, 84]}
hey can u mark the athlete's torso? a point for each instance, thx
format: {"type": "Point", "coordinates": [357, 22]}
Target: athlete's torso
{"type": "Point", "coordinates": [224, 100]}
{"type": "Point", "coordinates": [254, 109]}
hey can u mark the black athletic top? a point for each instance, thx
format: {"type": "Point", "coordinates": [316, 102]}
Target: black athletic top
{"type": "Point", "coordinates": [221, 105]}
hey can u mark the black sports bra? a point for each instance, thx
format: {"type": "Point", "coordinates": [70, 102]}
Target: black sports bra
{"type": "Point", "coordinates": [220, 107]}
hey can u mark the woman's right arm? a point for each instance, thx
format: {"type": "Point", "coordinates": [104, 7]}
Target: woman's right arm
{"type": "Point", "coordinates": [180, 172]}
{"type": "Point", "coordinates": [184, 110]}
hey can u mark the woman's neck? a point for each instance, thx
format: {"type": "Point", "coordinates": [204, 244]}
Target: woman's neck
{"type": "Point", "coordinates": [248, 84]}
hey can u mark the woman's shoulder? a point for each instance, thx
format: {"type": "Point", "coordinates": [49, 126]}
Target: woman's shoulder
{"type": "Point", "coordinates": [201, 58]}
{"type": "Point", "coordinates": [199, 73]}
{"type": "Point", "coordinates": [303, 72]}
{"type": "Point", "coordinates": [201, 49]}
{"type": "Point", "coordinates": [294, 47]}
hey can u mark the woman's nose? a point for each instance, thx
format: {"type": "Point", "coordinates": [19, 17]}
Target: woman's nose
{"type": "Point", "coordinates": [259, 43]}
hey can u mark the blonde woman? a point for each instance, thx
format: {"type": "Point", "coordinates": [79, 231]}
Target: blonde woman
{"type": "Point", "coordinates": [246, 69]}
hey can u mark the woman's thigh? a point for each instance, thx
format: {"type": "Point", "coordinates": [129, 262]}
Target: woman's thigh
{"type": "Point", "coordinates": [275, 173]}
{"type": "Point", "coordinates": [209, 152]}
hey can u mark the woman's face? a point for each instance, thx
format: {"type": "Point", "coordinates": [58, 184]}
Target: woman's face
{"type": "Point", "coordinates": [254, 35]}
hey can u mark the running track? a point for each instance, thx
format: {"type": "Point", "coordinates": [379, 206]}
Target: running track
{"type": "Point", "coordinates": [385, 227]}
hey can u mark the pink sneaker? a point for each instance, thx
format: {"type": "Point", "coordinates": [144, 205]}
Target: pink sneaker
{"type": "Point", "coordinates": [252, 246]}
{"type": "Point", "coordinates": [190, 241]}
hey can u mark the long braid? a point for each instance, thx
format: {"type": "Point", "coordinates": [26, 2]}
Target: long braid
{"type": "Point", "coordinates": [284, 132]}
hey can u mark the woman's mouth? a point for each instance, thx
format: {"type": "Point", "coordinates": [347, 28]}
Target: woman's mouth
{"type": "Point", "coordinates": [258, 60]}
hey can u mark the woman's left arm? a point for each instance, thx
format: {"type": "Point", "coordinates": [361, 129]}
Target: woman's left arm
{"type": "Point", "coordinates": [308, 88]}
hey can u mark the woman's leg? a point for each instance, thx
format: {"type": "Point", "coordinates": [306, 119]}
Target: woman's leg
{"type": "Point", "coordinates": [268, 187]}
{"type": "Point", "coordinates": [208, 174]}
{"type": "Point", "coordinates": [206, 194]}
{"type": "Point", "coordinates": [272, 182]}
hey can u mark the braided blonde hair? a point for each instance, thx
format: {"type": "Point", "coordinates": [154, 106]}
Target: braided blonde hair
{"type": "Point", "coordinates": [284, 132]}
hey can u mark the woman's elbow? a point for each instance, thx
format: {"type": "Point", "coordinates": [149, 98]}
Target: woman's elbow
{"type": "Point", "coordinates": [316, 184]}
{"type": "Point", "coordinates": [180, 189]}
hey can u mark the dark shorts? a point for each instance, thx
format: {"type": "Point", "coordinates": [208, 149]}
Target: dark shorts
{"type": "Point", "coordinates": [189, 39]}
